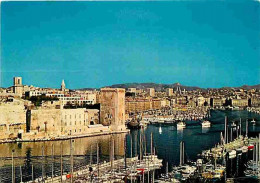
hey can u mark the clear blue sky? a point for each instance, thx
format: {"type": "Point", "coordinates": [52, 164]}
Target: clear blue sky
{"type": "Point", "coordinates": [94, 44]}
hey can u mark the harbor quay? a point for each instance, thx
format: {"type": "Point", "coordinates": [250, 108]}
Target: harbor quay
{"type": "Point", "coordinates": [114, 171]}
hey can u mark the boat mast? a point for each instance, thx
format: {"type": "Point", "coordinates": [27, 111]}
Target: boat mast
{"type": "Point", "coordinates": [125, 151]}
{"type": "Point", "coordinates": [256, 154]}
{"type": "Point", "coordinates": [98, 159]}
{"type": "Point", "coordinates": [240, 127]}
{"type": "Point", "coordinates": [246, 127]}
{"type": "Point", "coordinates": [167, 169]}
{"type": "Point", "coordinates": [71, 160]}
{"type": "Point", "coordinates": [52, 165]}
{"type": "Point", "coordinates": [13, 168]}
{"type": "Point", "coordinates": [131, 148]}
{"type": "Point", "coordinates": [258, 148]}
{"type": "Point", "coordinates": [183, 155]}
{"type": "Point", "coordinates": [91, 155]}
{"type": "Point", "coordinates": [237, 130]}
{"type": "Point", "coordinates": [180, 153]}
{"type": "Point", "coordinates": [221, 138]}
{"type": "Point", "coordinates": [136, 144]}
{"type": "Point", "coordinates": [111, 152]}
{"type": "Point", "coordinates": [151, 143]}
{"type": "Point", "coordinates": [21, 174]}
{"type": "Point", "coordinates": [140, 146]}
{"type": "Point", "coordinates": [33, 177]}
{"type": "Point", "coordinates": [61, 166]}
{"type": "Point", "coordinates": [43, 162]}
{"type": "Point", "coordinates": [231, 134]}
{"type": "Point", "coordinates": [225, 134]}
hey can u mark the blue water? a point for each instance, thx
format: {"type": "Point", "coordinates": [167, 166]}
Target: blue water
{"type": "Point", "coordinates": [195, 138]}
{"type": "Point", "coordinates": [167, 145]}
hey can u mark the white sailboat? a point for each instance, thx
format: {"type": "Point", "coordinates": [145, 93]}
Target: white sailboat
{"type": "Point", "coordinates": [181, 125]}
{"type": "Point", "coordinates": [253, 121]}
{"type": "Point", "coordinates": [160, 130]}
{"type": "Point", "coordinates": [206, 124]}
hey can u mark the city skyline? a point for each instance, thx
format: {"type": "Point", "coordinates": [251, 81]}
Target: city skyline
{"type": "Point", "coordinates": [95, 44]}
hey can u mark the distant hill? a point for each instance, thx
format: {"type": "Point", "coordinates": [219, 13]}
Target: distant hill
{"type": "Point", "coordinates": [157, 87]}
{"type": "Point", "coordinates": [247, 87]}
{"type": "Point", "coordinates": [161, 87]}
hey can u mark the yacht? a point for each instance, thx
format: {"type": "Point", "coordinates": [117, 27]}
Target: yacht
{"type": "Point", "coordinates": [253, 121]}
{"type": "Point", "coordinates": [232, 154]}
{"type": "Point", "coordinates": [181, 125]}
{"type": "Point", "coordinates": [233, 124]}
{"type": "Point", "coordinates": [205, 124]}
{"type": "Point", "coordinates": [244, 149]}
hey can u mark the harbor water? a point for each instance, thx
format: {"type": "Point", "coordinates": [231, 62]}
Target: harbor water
{"type": "Point", "coordinates": [166, 140]}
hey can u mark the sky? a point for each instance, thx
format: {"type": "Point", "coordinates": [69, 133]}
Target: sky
{"type": "Point", "coordinates": [95, 44]}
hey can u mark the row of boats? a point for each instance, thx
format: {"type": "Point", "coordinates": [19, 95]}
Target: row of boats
{"type": "Point", "coordinates": [204, 124]}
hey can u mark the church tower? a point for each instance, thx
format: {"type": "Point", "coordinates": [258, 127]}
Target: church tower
{"type": "Point", "coordinates": [17, 86]}
{"type": "Point", "coordinates": [63, 86]}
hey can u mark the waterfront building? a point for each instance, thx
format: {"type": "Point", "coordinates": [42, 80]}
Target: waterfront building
{"type": "Point", "coordinates": [173, 102]}
{"type": "Point", "coordinates": [191, 103]}
{"type": "Point", "coordinates": [137, 104]}
{"type": "Point", "coordinates": [156, 103]}
{"type": "Point", "coordinates": [165, 102]}
{"type": "Point", "coordinates": [239, 102]}
{"type": "Point", "coordinates": [169, 92]}
{"type": "Point", "coordinates": [131, 90]}
{"type": "Point", "coordinates": [181, 100]}
{"type": "Point", "coordinates": [53, 121]}
{"type": "Point", "coordinates": [216, 102]}
{"type": "Point", "coordinates": [200, 100]}
{"type": "Point", "coordinates": [150, 92]}
{"type": "Point", "coordinates": [112, 108]}
{"type": "Point", "coordinates": [254, 102]}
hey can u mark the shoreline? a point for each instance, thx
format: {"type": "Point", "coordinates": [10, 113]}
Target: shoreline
{"type": "Point", "coordinates": [66, 137]}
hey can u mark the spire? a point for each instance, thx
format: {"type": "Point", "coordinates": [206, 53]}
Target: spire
{"type": "Point", "coordinates": [63, 86]}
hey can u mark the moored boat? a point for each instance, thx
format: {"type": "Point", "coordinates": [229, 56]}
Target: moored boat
{"type": "Point", "coordinates": [250, 147]}
{"type": "Point", "coordinates": [253, 121]}
{"type": "Point", "coordinates": [244, 149]}
{"type": "Point", "coordinates": [206, 124]}
{"type": "Point", "coordinates": [232, 154]}
{"type": "Point", "coordinates": [181, 125]}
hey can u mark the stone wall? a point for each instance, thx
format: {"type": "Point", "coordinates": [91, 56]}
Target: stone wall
{"type": "Point", "coordinates": [12, 119]}
{"type": "Point", "coordinates": [112, 109]}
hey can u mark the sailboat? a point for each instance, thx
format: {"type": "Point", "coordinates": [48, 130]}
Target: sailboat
{"type": "Point", "coordinates": [160, 130]}
{"type": "Point", "coordinates": [253, 121]}
{"type": "Point", "coordinates": [181, 125]}
{"type": "Point", "coordinates": [206, 124]}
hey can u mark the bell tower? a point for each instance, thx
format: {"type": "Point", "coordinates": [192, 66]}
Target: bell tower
{"type": "Point", "coordinates": [63, 86]}
{"type": "Point", "coordinates": [17, 86]}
